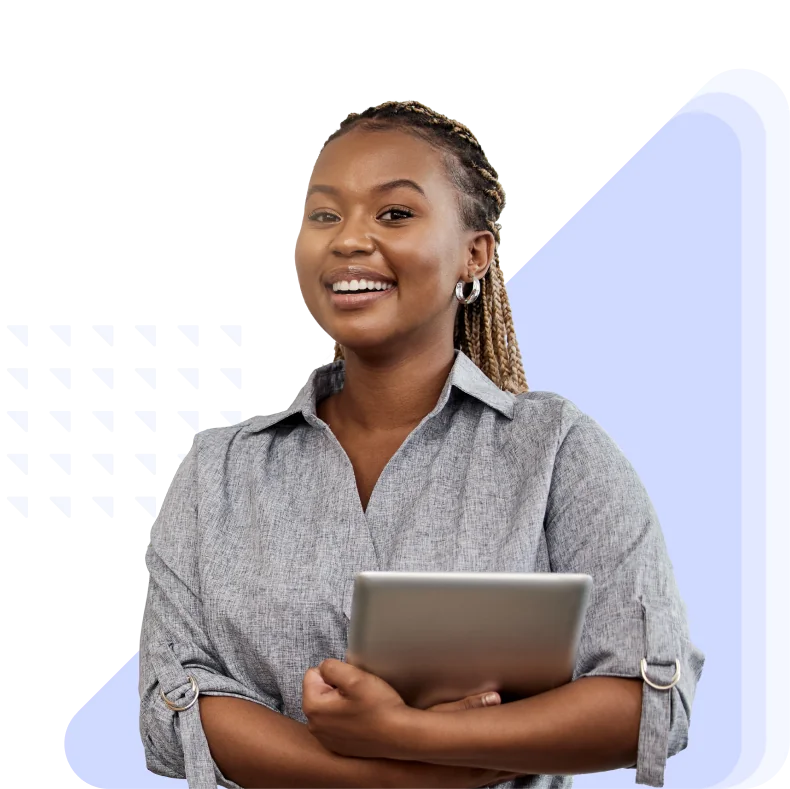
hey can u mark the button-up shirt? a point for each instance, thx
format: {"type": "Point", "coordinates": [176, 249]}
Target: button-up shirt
{"type": "Point", "coordinates": [254, 551]}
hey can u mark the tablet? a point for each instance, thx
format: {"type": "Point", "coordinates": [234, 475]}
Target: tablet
{"type": "Point", "coordinates": [441, 636]}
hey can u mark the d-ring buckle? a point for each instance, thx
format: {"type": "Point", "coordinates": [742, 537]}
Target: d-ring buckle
{"type": "Point", "coordinates": [643, 666]}
{"type": "Point", "coordinates": [186, 707]}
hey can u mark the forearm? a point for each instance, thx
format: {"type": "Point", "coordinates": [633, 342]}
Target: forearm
{"type": "Point", "coordinates": [257, 747]}
{"type": "Point", "coordinates": [586, 726]}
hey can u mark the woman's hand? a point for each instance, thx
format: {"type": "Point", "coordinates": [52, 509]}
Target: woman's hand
{"type": "Point", "coordinates": [351, 711]}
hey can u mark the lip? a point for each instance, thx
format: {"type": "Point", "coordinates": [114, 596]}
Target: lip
{"type": "Point", "coordinates": [348, 300]}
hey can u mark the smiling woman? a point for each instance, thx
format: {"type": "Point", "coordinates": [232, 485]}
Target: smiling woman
{"type": "Point", "coordinates": [446, 192]}
{"type": "Point", "coordinates": [418, 448]}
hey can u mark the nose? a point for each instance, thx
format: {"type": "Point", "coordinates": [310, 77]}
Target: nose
{"type": "Point", "coordinates": [353, 236]}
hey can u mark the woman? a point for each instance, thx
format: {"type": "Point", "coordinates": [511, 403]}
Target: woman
{"type": "Point", "coordinates": [419, 447]}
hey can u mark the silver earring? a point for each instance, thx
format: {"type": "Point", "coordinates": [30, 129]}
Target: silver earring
{"type": "Point", "coordinates": [459, 291]}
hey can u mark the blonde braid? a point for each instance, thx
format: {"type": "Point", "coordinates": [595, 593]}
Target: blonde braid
{"type": "Point", "coordinates": [490, 363]}
{"type": "Point", "coordinates": [484, 329]}
{"type": "Point", "coordinates": [498, 324]}
{"type": "Point", "coordinates": [469, 342]}
{"type": "Point", "coordinates": [517, 376]}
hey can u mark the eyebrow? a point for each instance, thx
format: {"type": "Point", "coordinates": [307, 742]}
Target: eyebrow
{"type": "Point", "coordinates": [387, 186]}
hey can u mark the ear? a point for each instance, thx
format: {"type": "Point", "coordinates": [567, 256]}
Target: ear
{"type": "Point", "coordinates": [480, 254]}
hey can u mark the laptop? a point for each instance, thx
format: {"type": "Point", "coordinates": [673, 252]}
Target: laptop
{"type": "Point", "coordinates": [441, 636]}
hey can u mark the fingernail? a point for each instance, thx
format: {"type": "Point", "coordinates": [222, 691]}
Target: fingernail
{"type": "Point", "coordinates": [490, 698]}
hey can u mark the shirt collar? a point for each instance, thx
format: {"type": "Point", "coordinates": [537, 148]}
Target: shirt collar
{"type": "Point", "coordinates": [328, 379]}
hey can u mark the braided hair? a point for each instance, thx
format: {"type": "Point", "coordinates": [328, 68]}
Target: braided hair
{"type": "Point", "coordinates": [484, 329]}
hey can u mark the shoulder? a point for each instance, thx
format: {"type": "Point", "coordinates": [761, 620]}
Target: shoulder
{"type": "Point", "coordinates": [547, 412]}
{"type": "Point", "coordinates": [214, 441]}
{"type": "Point", "coordinates": [562, 427]}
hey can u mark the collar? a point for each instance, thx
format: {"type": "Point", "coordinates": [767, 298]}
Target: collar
{"type": "Point", "coordinates": [328, 379]}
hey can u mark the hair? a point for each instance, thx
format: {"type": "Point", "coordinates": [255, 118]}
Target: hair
{"type": "Point", "coordinates": [484, 329]}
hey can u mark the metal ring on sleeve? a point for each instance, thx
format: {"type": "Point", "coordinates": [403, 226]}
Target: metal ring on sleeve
{"type": "Point", "coordinates": [187, 706]}
{"type": "Point", "coordinates": [675, 678]}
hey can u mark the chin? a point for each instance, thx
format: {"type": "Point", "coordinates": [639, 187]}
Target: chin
{"type": "Point", "coordinates": [366, 345]}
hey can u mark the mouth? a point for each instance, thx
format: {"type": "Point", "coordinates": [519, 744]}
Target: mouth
{"type": "Point", "coordinates": [352, 300]}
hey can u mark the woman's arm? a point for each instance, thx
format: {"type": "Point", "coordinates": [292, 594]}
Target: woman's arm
{"type": "Point", "coordinates": [257, 747]}
{"type": "Point", "coordinates": [177, 657]}
{"type": "Point", "coordinates": [600, 521]}
{"type": "Point", "coordinates": [586, 726]}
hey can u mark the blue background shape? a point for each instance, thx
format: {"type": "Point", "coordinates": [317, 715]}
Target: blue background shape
{"type": "Point", "coordinates": [633, 311]}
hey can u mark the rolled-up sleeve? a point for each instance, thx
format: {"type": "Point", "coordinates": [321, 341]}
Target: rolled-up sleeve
{"type": "Point", "coordinates": [177, 658]}
{"type": "Point", "coordinates": [600, 521]}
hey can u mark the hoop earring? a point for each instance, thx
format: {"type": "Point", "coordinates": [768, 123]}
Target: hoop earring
{"type": "Point", "coordinates": [459, 291]}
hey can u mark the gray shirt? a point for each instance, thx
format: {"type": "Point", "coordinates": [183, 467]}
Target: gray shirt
{"type": "Point", "coordinates": [254, 550]}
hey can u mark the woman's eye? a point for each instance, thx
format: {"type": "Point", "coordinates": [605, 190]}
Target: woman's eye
{"type": "Point", "coordinates": [319, 213]}
{"type": "Point", "coordinates": [404, 214]}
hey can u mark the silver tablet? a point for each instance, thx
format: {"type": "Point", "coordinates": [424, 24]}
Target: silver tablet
{"type": "Point", "coordinates": [440, 636]}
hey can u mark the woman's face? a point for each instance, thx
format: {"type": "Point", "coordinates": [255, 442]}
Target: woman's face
{"type": "Point", "coordinates": [352, 230]}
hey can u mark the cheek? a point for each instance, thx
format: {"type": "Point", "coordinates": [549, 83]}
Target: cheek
{"type": "Point", "coordinates": [425, 264]}
{"type": "Point", "coordinates": [301, 255]}
{"type": "Point", "coordinates": [307, 267]}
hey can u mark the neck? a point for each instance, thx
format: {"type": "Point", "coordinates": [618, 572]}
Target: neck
{"type": "Point", "coordinates": [392, 393]}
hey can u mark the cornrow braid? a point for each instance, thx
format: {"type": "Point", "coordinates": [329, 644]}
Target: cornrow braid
{"type": "Point", "coordinates": [484, 329]}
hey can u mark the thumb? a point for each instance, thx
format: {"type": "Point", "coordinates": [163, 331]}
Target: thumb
{"type": "Point", "coordinates": [315, 682]}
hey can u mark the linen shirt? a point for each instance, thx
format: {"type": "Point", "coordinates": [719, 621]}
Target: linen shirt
{"type": "Point", "coordinates": [253, 555]}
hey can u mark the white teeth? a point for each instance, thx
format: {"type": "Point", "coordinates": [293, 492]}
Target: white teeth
{"type": "Point", "coordinates": [361, 284]}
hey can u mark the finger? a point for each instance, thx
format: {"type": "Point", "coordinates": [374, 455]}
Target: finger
{"type": "Point", "coordinates": [313, 683]}
{"type": "Point", "coordinates": [339, 674]}
{"type": "Point", "coordinates": [448, 706]}
{"type": "Point", "coordinates": [481, 700]}
{"type": "Point", "coordinates": [468, 703]}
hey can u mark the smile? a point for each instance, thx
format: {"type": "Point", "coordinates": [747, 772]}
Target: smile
{"type": "Point", "coordinates": [349, 300]}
